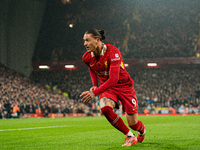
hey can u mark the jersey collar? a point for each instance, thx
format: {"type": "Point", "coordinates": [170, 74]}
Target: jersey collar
{"type": "Point", "coordinates": [102, 52]}
{"type": "Point", "coordinates": [103, 49]}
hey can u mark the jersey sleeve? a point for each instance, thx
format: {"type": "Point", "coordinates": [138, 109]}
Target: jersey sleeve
{"type": "Point", "coordinates": [94, 77]}
{"type": "Point", "coordinates": [85, 58]}
{"type": "Point", "coordinates": [115, 61]}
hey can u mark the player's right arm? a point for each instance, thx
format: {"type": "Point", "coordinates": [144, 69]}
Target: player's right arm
{"type": "Point", "coordinates": [93, 75]}
{"type": "Point", "coordinates": [94, 78]}
{"type": "Point", "coordinates": [93, 88]}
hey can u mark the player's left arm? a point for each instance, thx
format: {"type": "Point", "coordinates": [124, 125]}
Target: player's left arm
{"type": "Point", "coordinates": [113, 79]}
{"type": "Point", "coordinates": [115, 59]}
{"type": "Point", "coordinates": [115, 62]}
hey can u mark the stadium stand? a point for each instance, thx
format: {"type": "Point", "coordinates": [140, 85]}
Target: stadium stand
{"type": "Point", "coordinates": [140, 32]}
{"type": "Point", "coordinates": [156, 88]}
{"type": "Point", "coordinates": [32, 97]}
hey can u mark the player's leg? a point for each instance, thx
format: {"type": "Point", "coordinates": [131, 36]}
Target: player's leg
{"type": "Point", "coordinates": [107, 106]}
{"type": "Point", "coordinates": [136, 125]}
{"type": "Point", "coordinates": [130, 105]}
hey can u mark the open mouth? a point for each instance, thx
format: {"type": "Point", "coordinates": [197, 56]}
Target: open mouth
{"type": "Point", "coordinates": [87, 48]}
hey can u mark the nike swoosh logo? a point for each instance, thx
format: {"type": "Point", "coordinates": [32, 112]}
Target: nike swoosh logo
{"type": "Point", "coordinates": [91, 65]}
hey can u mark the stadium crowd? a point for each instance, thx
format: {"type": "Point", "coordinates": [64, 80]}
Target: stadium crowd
{"type": "Point", "coordinates": [151, 30]}
{"type": "Point", "coordinates": [32, 97]}
{"type": "Point", "coordinates": [176, 88]}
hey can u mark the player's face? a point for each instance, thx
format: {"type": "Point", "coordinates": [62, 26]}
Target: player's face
{"type": "Point", "coordinates": [90, 42]}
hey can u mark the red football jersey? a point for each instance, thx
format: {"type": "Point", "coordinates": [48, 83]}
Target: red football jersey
{"type": "Point", "coordinates": [108, 67]}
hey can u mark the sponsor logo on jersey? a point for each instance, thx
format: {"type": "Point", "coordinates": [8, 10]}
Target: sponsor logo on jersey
{"type": "Point", "coordinates": [116, 57]}
{"type": "Point", "coordinates": [103, 73]}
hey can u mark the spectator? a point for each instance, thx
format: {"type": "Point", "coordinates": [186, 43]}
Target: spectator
{"type": "Point", "coordinates": [150, 30]}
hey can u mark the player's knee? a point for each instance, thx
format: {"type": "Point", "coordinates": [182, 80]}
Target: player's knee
{"type": "Point", "coordinates": [134, 122]}
{"type": "Point", "coordinates": [106, 110]}
{"type": "Point", "coordinates": [132, 119]}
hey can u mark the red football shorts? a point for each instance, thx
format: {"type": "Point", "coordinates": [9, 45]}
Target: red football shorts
{"type": "Point", "coordinates": [127, 97]}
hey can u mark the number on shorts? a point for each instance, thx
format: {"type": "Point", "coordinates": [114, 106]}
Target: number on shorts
{"type": "Point", "coordinates": [134, 102]}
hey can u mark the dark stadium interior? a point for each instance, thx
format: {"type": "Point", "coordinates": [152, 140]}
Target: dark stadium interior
{"type": "Point", "coordinates": [166, 32]}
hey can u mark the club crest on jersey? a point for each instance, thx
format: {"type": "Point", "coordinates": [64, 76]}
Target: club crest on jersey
{"type": "Point", "coordinates": [106, 64]}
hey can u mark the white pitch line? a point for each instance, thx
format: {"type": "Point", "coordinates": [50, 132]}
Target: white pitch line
{"type": "Point", "coordinates": [42, 127]}
{"type": "Point", "coordinates": [35, 128]}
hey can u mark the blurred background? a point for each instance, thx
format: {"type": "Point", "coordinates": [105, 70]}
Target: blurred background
{"type": "Point", "coordinates": [41, 48]}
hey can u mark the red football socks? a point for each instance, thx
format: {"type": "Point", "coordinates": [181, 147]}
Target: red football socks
{"type": "Point", "coordinates": [138, 126]}
{"type": "Point", "coordinates": [114, 119]}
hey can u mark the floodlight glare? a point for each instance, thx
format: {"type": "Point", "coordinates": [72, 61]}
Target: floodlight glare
{"type": "Point", "coordinates": [152, 64]}
{"type": "Point", "coordinates": [43, 67]}
{"type": "Point", "coordinates": [71, 25]}
{"type": "Point", "coordinates": [69, 66]}
{"type": "Point", "coordinates": [126, 65]}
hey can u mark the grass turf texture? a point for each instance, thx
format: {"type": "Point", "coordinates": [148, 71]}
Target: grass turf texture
{"type": "Point", "coordinates": [95, 133]}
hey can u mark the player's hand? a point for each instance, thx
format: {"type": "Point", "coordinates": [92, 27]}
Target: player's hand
{"type": "Point", "coordinates": [93, 88]}
{"type": "Point", "coordinates": [88, 95]}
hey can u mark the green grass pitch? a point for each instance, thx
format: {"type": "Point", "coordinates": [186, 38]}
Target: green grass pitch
{"type": "Point", "coordinates": [95, 133]}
